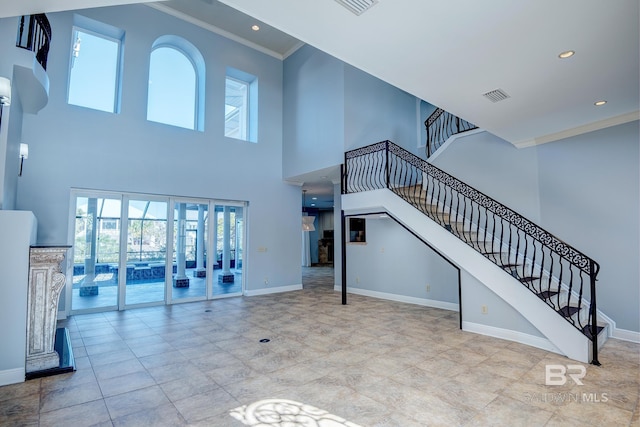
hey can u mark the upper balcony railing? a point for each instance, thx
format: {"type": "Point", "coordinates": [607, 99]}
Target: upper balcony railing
{"type": "Point", "coordinates": [440, 126]}
{"type": "Point", "coordinates": [34, 34]}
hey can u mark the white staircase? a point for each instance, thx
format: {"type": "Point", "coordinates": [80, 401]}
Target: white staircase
{"type": "Point", "coordinates": [505, 273]}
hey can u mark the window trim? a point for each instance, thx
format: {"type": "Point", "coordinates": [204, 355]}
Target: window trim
{"type": "Point", "coordinates": [117, 36]}
{"type": "Point", "coordinates": [193, 54]}
{"type": "Point", "coordinates": [251, 105]}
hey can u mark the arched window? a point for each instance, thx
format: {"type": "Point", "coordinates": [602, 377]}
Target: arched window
{"type": "Point", "coordinates": [176, 84]}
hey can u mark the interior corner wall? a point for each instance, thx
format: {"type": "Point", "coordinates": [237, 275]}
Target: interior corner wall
{"type": "Point", "coordinates": [590, 197]}
{"type": "Point", "coordinates": [583, 189]}
{"type": "Point", "coordinates": [313, 88]}
{"type": "Point", "coordinates": [331, 107]}
{"type": "Point", "coordinates": [376, 111]}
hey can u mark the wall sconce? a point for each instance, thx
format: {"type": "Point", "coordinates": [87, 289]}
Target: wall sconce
{"type": "Point", "coordinates": [5, 94]}
{"type": "Point", "coordinates": [5, 91]}
{"type": "Point", "coordinates": [24, 154]}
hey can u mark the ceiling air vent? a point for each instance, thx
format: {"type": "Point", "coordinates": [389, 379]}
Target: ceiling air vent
{"type": "Point", "coordinates": [496, 95]}
{"type": "Point", "coordinates": [358, 6]}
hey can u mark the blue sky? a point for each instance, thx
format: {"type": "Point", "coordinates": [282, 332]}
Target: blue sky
{"type": "Point", "coordinates": [172, 79]}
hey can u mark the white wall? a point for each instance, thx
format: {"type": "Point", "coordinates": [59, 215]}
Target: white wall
{"type": "Point", "coordinates": [313, 112]}
{"type": "Point", "coordinates": [74, 147]}
{"type": "Point", "coordinates": [497, 168]}
{"type": "Point", "coordinates": [10, 133]}
{"type": "Point", "coordinates": [583, 189]}
{"type": "Point", "coordinates": [498, 313]}
{"type": "Point", "coordinates": [331, 107]}
{"type": "Point", "coordinates": [18, 233]}
{"type": "Point", "coordinates": [376, 111]}
{"type": "Point", "coordinates": [590, 197]}
{"type": "Point", "coordinates": [395, 262]}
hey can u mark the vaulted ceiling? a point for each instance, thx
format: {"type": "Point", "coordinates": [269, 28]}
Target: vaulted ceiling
{"type": "Point", "coordinates": [451, 52]}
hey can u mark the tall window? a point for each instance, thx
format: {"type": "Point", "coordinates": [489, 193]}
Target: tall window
{"type": "Point", "coordinates": [176, 81]}
{"type": "Point", "coordinates": [235, 109]}
{"type": "Point", "coordinates": [94, 77]}
{"type": "Point", "coordinates": [240, 106]}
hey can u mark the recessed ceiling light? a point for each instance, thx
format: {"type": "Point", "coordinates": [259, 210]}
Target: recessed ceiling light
{"type": "Point", "coordinates": [566, 54]}
{"type": "Point", "coordinates": [314, 198]}
{"type": "Point", "coordinates": [255, 27]}
{"type": "Point", "coordinates": [599, 103]}
{"type": "Point", "coordinates": [313, 204]}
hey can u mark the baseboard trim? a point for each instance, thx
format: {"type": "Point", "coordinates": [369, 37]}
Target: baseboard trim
{"type": "Point", "coordinates": [402, 298]}
{"type": "Point", "coordinates": [275, 290]}
{"type": "Point", "coordinates": [12, 376]}
{"type": "Point", "coordinates": [509, 335]}
{"type": "Point", "coordinates": [626, 335]}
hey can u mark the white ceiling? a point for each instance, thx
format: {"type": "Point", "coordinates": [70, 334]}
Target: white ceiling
{"type": "Point", "coordinates": [451, 52]}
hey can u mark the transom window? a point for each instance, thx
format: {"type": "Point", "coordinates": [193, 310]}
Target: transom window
{"type": "Point", "coordinates": [235, 109]}
{"type": "Point", "coordinates": [240, 105]}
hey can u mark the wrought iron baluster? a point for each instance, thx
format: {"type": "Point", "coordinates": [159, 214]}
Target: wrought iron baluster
{"type": "Point", "coordinates": [369, 168]}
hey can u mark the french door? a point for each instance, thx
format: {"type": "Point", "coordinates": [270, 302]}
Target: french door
{"type": "Point", "coordinates": [132, 250]}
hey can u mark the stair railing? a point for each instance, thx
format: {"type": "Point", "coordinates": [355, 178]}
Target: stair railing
{"type": "Point", "coordinates": [34, 34]}
{"type": "Point", "coordinates": [441, 125]}
{"type": "Point", "coordinates": [560, 275]}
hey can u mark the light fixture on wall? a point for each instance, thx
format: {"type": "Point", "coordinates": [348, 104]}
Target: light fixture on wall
{"type": "Point", "coordinates": [24, 154]}
{"type": "Point", "coordinates": [307, 220]}
{"type": "Point", "coordinates": [5, 91]}
{"type": "Point", "coordinates": [5, 94]}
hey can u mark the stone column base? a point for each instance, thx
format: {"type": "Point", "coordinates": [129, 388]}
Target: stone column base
{"type": "Point", "coordinates": [86, 291]}
{"type": "Point", "coordinates": [182, 282]}
{"type": "Point", "coordinates": [226, 278]}
{"type": "Point", "coordinates": [200, 273]}
{"type": "Point", "coordinates": [41, 362]}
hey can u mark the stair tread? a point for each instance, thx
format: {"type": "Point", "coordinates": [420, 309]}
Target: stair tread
{"type": "Point", "coordinates": [510, 265]}
{"type": "Point", "coordinates": [547, 294]}
{"type": "Point", "coordinates": [587, 330]}
{"type": "Point", "coordinates": [568, 311]}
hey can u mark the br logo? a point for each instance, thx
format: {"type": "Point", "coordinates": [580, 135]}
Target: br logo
{"type": "Point", "coordinates": [557, 374]}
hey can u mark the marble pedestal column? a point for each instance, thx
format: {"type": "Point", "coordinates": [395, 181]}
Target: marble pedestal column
{"type": "Point", "coordinates": [45, 284]}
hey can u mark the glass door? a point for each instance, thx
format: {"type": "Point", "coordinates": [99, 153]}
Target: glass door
{"type": "Point", "coordinates": [228, 237]}
{"type": "Point", "coordinates": [96, 253]}
{"type": "Point", "coordinates": [189, 281]}
{"type": "Point", "coordinates": [146, 255]}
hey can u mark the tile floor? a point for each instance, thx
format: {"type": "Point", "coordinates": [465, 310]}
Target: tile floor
{"type": "Point", "coordinates": [371, 362]}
